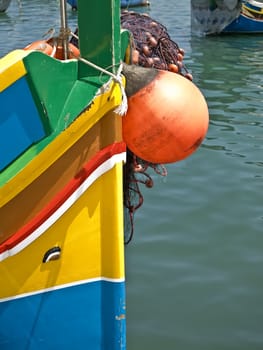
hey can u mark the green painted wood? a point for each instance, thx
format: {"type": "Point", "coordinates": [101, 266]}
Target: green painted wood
{"type": "Point", "coordinates": [99, 34]}
{"type": "Point", "coordinates": [58, 94]}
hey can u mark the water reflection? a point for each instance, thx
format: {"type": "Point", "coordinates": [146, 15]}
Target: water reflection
{"type": "Point", "coordinates": [229, 71]}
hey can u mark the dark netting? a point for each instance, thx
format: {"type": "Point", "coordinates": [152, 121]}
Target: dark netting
{"type": "Point", "coordinates": [135, 173]}
{"type": "Point", "coordinates": [151, 47]}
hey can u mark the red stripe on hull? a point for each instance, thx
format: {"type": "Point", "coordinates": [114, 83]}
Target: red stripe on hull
{"type": "Point", "coordinates": [63, 195]}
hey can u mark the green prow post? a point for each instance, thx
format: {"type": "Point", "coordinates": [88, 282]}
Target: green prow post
{"type": "Point", "coordinates": [99, 35]}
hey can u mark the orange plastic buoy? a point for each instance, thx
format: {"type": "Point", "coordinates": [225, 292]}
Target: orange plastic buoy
{"type": "Point", "coordinates": [73, 51]}
{"type": "Point", "coordinates": [53, 50]}
{"type": "Point", "coordinates": [58, 51]}
{"type": "Point", "coordinates": [167, 118]}
{"type": "Point", "coordinates": [40, 45]}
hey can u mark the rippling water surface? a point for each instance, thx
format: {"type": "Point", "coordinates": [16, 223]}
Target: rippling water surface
{"type": "Point", "coordinates": [195, 265]}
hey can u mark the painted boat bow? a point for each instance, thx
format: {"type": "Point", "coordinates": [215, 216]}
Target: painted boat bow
{"type": "Point", "coordinates": [61, 196]}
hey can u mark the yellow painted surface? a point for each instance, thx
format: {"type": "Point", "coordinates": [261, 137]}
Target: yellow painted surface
{"type": "Point", "coordinates": [12, 68]}
{"type": "Point", "coordinates": [90, 235]}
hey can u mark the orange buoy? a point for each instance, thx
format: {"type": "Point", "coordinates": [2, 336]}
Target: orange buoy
{"type": "Point", "coordinates": [49, 48]}
{"type": "Point", "coordinates": [58, 50]}
{"type": "Point", "coordinates": [40, 45]}
{"type": "Point", "coordinates": [73, 51]}
{"type": "Point", "coordinates": [167, 117]}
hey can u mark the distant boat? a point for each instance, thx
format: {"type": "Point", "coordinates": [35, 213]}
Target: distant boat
{"type": "Point", "coordinates": [250, 19]}
{"type": "Point", "coordinates": [124, 3]}
{"type": "Point", "coordinates": [4, 5]}
{"type": "Point", "coordinates": [133, 3]}
{"type": "Point", "coordinates": [232, 16]}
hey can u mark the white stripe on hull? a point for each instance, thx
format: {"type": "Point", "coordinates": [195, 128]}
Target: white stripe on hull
{"type": "Point", "coordinates": [62, 286]}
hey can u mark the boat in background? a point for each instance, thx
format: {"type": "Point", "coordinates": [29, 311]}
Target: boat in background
{"type": "Point", "coordinates": [226, 16]}
{"type": "Point", "coordinates": [124, 3]}
{"type": "Point", "coordinates": [4, 4]}
{"type": "Point", "coordinates": [61, 193]}
{"type": "Point", "coordinates": [134, 3]}
{"type": "Point", "coordinates": [250, 19]}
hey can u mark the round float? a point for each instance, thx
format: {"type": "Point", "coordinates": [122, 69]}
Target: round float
{"type": "Point", "coordinates": [167, 117]}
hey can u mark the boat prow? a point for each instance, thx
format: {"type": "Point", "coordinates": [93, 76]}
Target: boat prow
{"type": "Point", "coordinates": [61, 196]}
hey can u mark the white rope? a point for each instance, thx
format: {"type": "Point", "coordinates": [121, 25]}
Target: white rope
{"type": "Point", "coordinates": [123, 107]}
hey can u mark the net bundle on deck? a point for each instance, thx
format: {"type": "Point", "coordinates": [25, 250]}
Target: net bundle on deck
{"type": "Point", "coordinates": [151, 46]}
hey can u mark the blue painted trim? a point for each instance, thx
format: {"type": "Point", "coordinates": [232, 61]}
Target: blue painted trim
{"type": "Point", "coordinates": [87, 316]}
{"type": "Point", "coordinates": [20, 123]}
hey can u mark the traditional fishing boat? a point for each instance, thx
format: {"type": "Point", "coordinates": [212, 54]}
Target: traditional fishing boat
{"type": "Point", "coordinates": [4, 4]}
{"type": "Point", "coordinates": [63, 111]}
{"type": "Point", "coordinates": [250, 19]}
{"type": "Point", "coordinates": [61, 195]}
{"type": "Point", "coordinates": [228, 16]}
{"type": "Point", "coordinates": [124, 3]}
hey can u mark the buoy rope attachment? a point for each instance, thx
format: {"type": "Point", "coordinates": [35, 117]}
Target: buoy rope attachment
{"type": "Point", "coordinates": [122, 108]}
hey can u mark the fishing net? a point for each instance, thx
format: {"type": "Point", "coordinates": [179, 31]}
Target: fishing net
{"type": "Point", "coordinates": [136, 174]}
{"type": "Point", "coordinates": [151, 46]}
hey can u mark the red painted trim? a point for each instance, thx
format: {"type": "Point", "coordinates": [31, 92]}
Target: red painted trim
{"type": "Point", "coordinates": [63, 195]}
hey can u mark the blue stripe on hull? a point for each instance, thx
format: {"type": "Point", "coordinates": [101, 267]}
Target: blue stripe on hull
{"type": "Point", "coordinates": [87, 316]}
